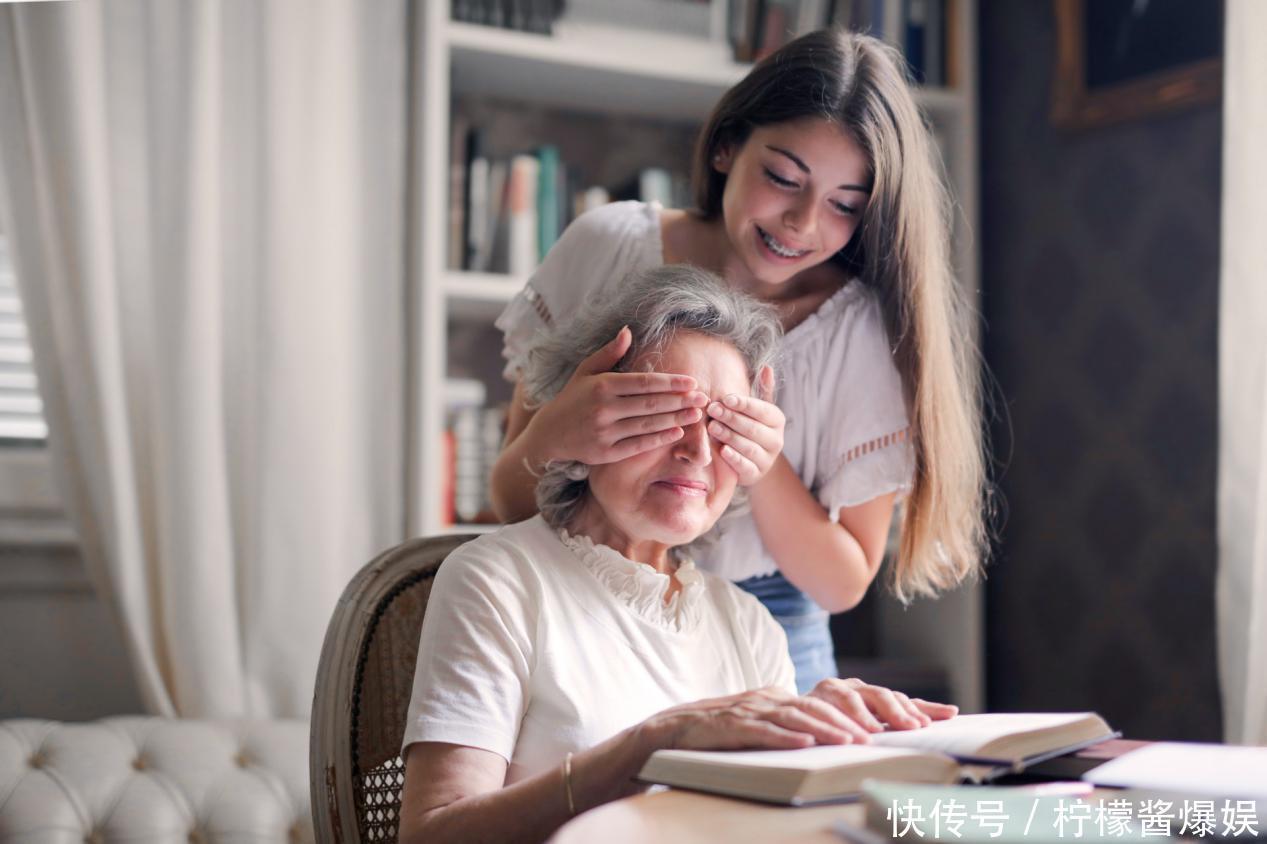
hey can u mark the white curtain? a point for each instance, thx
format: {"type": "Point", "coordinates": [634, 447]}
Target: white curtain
{"type": "Point", "coordinates": [1242, 506]}
{"type": "Point", "coordinates": [206, 205]}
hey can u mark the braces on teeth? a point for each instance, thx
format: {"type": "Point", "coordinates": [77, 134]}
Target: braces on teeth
{"type": "Point", "coordinates": [778, 248]}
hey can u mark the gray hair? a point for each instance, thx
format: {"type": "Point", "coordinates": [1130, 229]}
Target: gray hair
{"type": "Point", "coordinates": [655, 304]}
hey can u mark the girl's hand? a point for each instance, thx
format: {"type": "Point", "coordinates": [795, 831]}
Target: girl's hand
{"type": "Point", "coordinates": [602, 416]}
{"type": "Point", "coordinates": [750, 429]}
{"type": "Point", "coordinates": [870, 705]}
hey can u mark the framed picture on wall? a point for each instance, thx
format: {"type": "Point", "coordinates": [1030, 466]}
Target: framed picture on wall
{"type": "Point", "coordinates": [1121, 60]}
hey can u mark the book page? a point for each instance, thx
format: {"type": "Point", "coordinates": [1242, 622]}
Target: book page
{"type": "Point", "coordinates": [964, 734]}
{"type": "Point", "coordinates": [806, 758]}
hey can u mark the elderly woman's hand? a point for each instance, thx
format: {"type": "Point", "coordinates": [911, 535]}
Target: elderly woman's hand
{"type": "Point", "coordinates": [750, 430]}
{"type": "Point", "coordinates": [835, 712]}
{"type": "Point", "coordinates": [602, 416]}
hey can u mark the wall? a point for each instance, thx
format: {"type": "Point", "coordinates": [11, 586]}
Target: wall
{"type": "Point", "coordinates": [61, 655]}
{"type": "Point", "coordinates": [1100, 273]}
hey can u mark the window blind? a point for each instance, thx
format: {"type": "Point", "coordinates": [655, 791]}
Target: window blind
{"type": "Point", "coordinates": [21, 411]}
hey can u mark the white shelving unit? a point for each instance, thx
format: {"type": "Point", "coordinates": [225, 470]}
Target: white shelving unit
{"type": "Point", "coordinates": [591, 68]}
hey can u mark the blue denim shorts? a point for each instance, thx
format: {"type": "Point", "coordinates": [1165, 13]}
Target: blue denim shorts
{"type": "Point", "coordinates": [806, 625]}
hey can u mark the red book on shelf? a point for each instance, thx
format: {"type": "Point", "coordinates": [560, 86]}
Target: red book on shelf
{"type": "Point", "coordinates": [448, 464]}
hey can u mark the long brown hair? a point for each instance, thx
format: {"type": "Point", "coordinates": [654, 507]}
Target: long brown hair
{"type": "Point", "coordinates": [900, 250]}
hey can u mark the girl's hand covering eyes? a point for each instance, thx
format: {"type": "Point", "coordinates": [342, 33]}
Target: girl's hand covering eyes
{"type": "Point", "coordinates": [750, 430]}
{"type": "Point", "coordinates": [602, 416]}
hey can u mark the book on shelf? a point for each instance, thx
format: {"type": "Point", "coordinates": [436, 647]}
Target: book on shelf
{"type": "Point", "coordinates": [974, 748]}
{"type": "Point", "coordinates": [926, 40]}
{"type": "Point", "coordinates": [521, 215]}
{"type": "Point", "coordinates": [914, 25]}
{"type": "Point", "coordinates": [506, 212]}
{"type": "Point", "coordinates": [523, 15]}
{"type": "Point", "coordinates": [757, 28]}
{"type": "Point", "coordinates": [682, 18]}
{"type": "Point", "coordinates": [858, 15]}
{"type": "Point", "coordinates": [472, 441]}
{"type": "Point", "coordinates": [475, 218]}
{"type": "Point", "coordinates": [550, 171]}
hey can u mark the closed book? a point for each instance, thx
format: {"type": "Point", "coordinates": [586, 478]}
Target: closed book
{"type": "Point", "coordinates": [547, 198]}
{"type": "Point", "coordinates": [455, 248]}
{"type": "Point", "coordinates": [950, 60]}
{"type": "Point", "coordinates": [813, 15]}
{"type": "Point", "coordinates": [967, 747]}
{"type": "Point", "coordinates": [493, 256]}
{"type": "Point", "coordinates": [475, 209]}
{"type": "Point", "coordinates": [589, 199]}
{"type": "Point", "coordinates": [794, 777]}
{"type": "Point", "coordinates": [843, 14]}
{"type": "Point", "coordinates": [521, 215]}
{"type": "Point", "coordinates": [777, 21]}
{"type": "Point", "coordinates": [916, 18]}
{"type": "Point", "coordinates": [934, 44]}
{"type": "Point", "coordinates": [745, 15]}
{"type": "Point", "coordinates": [656, 185]}
{"type": "Point", "coordinates": [1223, 771]}
{"type": "Point", "coordinates": [468, 480]}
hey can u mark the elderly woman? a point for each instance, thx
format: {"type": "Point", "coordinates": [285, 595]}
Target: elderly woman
{"type": "Point", "coordinates": [559, 653]}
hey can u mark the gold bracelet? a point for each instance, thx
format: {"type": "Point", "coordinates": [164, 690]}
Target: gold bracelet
{"type": "Point", "coordinates": [567, 783]}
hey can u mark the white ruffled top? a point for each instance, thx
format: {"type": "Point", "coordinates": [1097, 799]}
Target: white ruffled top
{"type": "Point", "coordinates": [640, 586]}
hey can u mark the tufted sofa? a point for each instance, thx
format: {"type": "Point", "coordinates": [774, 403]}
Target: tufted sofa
{"type": "Point", "coordinates": [142, 780]}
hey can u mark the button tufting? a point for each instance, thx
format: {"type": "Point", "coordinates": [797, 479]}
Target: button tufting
{"type": "Point", "coordinates": [138, 764]}
{"type": "Point", "coordinates": [242, 759]}
{"type": "Point", "coordinates": [95, 837]}
{"type": "Point", "coordinates": [36, 761]}
{"type": "Point", "coordinates": [195, 837]}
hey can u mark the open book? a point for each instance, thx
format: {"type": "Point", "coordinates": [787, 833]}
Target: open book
{"type": "Point", "coordinates": [975, 747]}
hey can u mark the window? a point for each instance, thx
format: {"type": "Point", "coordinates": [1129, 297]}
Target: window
{"type": "Point", "coordinates": [30, 509]}
{"type": "Point", "coordinates": [21, 412]}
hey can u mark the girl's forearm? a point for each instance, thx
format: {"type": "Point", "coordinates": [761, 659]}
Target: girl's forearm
{"type": "Point", "coordinates": [819, 556]}
{"type": "Point", "coordinates": [533, 809]}
{"type": "Point", "coordinates": [512, 485]}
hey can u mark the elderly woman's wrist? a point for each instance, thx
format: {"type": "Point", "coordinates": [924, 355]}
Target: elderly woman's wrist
{"type": "Point", "coordinates": [659, 732]}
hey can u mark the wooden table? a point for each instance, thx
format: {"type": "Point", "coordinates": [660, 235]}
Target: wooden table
{"type": "Point", "coordinates": [669, 817]}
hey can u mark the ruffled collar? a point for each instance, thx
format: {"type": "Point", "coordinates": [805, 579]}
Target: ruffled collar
{"type": "Point", "coordinates": [640, 586]}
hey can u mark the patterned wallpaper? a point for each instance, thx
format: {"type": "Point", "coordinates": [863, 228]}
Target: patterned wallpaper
{"type": "Point", "coordinates": [1099, 258]}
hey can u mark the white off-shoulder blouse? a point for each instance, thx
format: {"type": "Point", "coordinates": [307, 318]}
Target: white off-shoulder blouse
{"type": "Point", "coordinates": [847, 432]}
{"type": "Point", "coordinates": [536, 643]}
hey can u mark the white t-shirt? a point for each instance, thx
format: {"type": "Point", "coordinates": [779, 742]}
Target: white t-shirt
{"type": "Point", "coordinates": [536, 643]}
{"type": "Point", "coordinates": [847, 429]}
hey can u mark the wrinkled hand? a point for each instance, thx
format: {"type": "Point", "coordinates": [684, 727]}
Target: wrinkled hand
{"type": "Point", "coordinates": [750, 430]}
{"type": "Point", "coordinates": [602, 416]}
{"type": "Point", "coordinates": [835, 712]}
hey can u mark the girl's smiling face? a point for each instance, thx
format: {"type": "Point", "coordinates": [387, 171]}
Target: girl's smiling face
{"type": "Point", "coordinates": [794, 196]}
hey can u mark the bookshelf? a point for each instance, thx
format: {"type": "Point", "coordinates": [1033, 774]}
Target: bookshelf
{"type": "Point", "coordinates": [604, 70]}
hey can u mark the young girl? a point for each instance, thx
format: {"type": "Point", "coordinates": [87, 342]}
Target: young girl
{"type": "Point", "coordinates": [818, 191]}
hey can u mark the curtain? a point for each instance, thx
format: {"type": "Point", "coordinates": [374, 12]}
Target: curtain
{"type": "Point", "coordinates": [206, 205]}
{"type": "Point", "coordinates": [1242, 496]}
